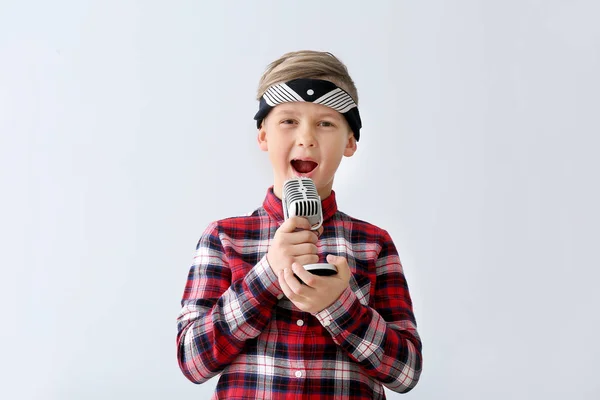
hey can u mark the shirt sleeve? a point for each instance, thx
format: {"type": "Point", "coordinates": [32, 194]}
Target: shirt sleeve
{"type": "Point", "coordinates": [382, 337]}
{"type": "Point", "coordinates": [218, 316]}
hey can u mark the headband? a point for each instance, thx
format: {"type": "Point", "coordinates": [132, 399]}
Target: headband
{"type": "Point", "coordinates": [315, 91]}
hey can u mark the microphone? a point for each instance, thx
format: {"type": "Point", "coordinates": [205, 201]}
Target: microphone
{"type": "Point", "coordinates": [301, 199]}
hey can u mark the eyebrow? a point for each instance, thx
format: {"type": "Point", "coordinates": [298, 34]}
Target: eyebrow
{"type": "Point", "coordinates": [332, 114]}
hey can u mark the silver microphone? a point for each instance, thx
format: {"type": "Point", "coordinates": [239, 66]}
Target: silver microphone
{"type": "Point", "coordinates": [301, 199]}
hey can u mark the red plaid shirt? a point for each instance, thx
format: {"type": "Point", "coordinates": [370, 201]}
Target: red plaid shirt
{"type": "Point", "coordinates": [235, 320]}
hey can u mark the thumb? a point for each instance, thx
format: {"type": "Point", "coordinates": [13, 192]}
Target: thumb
{"type": "Point", "coordinates": [342, 265]}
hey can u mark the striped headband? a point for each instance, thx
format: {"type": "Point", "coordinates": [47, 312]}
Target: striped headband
{"type": "Point", "coordinates": [316, 91]}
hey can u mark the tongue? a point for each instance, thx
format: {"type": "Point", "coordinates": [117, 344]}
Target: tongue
{"type": "Point", "coordinates": [304, 166]}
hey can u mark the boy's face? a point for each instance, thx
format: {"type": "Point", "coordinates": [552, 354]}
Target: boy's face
{"type": "Point", "coordinates": [305, 139]}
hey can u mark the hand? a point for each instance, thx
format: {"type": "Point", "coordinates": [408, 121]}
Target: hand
{"type": "Point", "coordinates": [318, 292]}
{"type": "Point", "coordinates": [293, 242]}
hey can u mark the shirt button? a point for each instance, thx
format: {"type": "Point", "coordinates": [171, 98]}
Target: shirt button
{"type": "Point", "coordinates": [298, 374]}
{"type": "Point", "coordinates": [299, 322]}
{"type": "Point", "coordinates": [280, 296]}
{"type": "Point", "coordinates": [327, 322]}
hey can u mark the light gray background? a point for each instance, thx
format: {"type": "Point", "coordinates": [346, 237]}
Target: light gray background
{"type": "Point", "coordinates": [126, 127]}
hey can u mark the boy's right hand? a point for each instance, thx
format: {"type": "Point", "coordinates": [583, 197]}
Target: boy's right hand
{"type": "Point", "coordinates": [293, 242]}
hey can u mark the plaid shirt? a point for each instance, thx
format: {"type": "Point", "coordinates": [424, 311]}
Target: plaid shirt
{"type": "Point", "coordinates": [235, 320]}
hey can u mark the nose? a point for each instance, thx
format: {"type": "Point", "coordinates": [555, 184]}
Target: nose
{"type": "Point", "coordinates": [306, 137]}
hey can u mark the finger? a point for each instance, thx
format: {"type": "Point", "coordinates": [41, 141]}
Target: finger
{"type": "Point", "coordinates": [284, 286]}
{"type": "Point", "coordinates": [341, 264]}
{"type": "Point", "coordinates": [319, 231]}
{"type": "Point", "coordinates": [303, 249]}
{"type": "Point", "coordinates": [293, 223]}
{"type": "Point", "coordinates": [309, 279]}
{"type": "Point", "coordinates": [293, 284]}
{"type": "Point", "coordinates": [301, 223]}
{"type": "Point", "coordinates": [302, 236]}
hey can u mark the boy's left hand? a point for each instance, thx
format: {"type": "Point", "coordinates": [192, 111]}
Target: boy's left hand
{"type": "Point", "coordinates": [318, 292]}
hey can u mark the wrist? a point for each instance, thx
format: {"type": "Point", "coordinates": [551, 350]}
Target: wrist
{"type": "Point", "coordinates": [267, 277]}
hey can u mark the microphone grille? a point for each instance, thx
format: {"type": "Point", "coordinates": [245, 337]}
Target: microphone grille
{"type": "Point", "coordinates": [299, 189]}
{"type": "Point", "coordinates": [300, 198]}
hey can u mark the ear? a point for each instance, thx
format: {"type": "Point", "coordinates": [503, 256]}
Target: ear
{"type": "Point", "coordinates": [261, 138]}
{"type": "Point", "coordinates": [351, 146]}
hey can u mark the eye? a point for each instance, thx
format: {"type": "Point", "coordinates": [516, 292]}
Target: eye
{"type": "Point", "coordinates": [287, 122]}
{"type": "Point", "coordinates": [326, 124]}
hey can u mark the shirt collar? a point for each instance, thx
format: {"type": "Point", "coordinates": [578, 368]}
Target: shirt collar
{"type": "Point", "coordinates": [273, 206]}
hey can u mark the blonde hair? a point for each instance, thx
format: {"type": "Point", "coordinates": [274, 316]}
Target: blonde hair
{"type": "Point", "coordinates": [307, 64]}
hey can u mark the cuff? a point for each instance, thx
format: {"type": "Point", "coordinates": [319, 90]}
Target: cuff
{"type": "Point", "coordinates": [342, 314]}
{"type": "Point", "coordinates": [263, 282]}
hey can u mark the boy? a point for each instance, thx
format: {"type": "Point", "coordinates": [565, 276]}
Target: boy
{"type": "Point", "coordinates": [246, 316]}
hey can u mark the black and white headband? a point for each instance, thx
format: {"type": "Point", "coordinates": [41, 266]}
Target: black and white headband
{"type": "Point", "coordinates": [316, 91]}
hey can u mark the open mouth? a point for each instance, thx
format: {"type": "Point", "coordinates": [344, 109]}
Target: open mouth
{"type": "Point", "coordinates": [303, 166]}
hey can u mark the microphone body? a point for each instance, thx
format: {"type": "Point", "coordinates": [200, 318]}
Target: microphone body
{"type": "Point", "coordinates": [300, 198]}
